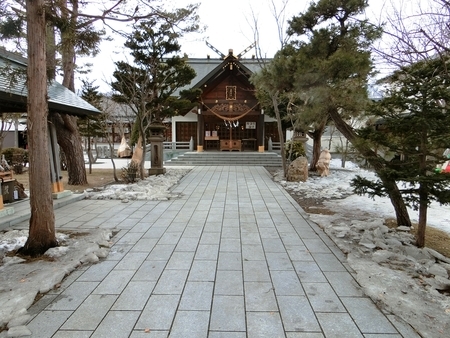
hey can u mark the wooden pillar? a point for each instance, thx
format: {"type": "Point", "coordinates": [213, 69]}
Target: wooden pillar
{"type": "Point", "coordinates": [55, 167]}
{"type": "Point", "coordinates": [260, 131]}
{"type": "Point", "coordinates": [200, 130]}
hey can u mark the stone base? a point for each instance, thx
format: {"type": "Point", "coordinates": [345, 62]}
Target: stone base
{"type": "Point", "coordinates": [6, 211]}
{"type": "Point", "coordinates": [156, 171]}
{"type": "Point", "coordinates": [62, 194]}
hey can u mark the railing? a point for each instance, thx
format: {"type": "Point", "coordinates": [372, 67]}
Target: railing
{"type": "Point", "coordinates": [273, 146]}
{"type": "Point", "coordinates": [178, 145]}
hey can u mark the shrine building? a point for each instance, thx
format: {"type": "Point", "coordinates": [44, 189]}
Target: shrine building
{"type": "Point", "coordinates": [228, 116]}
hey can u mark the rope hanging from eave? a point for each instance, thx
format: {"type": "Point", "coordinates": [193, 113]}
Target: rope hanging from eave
{"type": "Point", "coordinates": [229, 119]}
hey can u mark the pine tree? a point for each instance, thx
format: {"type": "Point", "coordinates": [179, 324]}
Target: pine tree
{"type": "Point", "coordinates": [413, 132]}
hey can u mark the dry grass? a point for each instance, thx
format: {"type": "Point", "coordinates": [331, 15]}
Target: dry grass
{"type": "Point", "coordinates": [98, 178]}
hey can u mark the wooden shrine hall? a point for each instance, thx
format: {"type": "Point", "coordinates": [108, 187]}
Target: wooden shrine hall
{"type": "Point", "coordinates": [228, 116]}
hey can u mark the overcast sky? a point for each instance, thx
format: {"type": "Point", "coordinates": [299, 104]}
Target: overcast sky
{"type": "Point", "coordinates": [230, 25]}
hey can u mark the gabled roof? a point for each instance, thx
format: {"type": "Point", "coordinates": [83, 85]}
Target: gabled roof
{"type": "Point", "coordinates": [13, 92]}
{"type": "Point", "coordinates": [207, 69]}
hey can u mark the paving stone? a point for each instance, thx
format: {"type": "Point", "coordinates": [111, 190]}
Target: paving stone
{"type": "Point", "coordinates": [367, 316]}
{"type": "Point", "coordinates": [72, 334]}
{"type": "Point", "coordinates": [207, 252]}
{"type": "Point", "coordinates": [229, 283]}
{"type": "Point", "coordinates": [344, 284]}
{"type": "Point", "coordinates": [259, 296]}
{"type": "Point", "coordinates": [116, 323]}
{"type": "Point", "coordinates": [264, 324]}
{"type": "Point", "coordinates": [230, 261]}
{"type": "Point", "coordinates": [273, 245]}
{"type": "Point", "coordinates": [159, 313]}
{"type": "Point", "coordinates": [309, 272]}
{"type": "Point", "coordinates": [279, 261]}
{"type": "Point", "coordinates": [97, 272]}
{"type": "Point", "coordinates": [328, 262]}
{"type": "Point", "coordinates": [322, 297]}
{"type": "Point", "coordinates": [46, 323]}
{"type": "Point", "coordinates": [253, 252]}
{"type": "Point", "coordinates": [230, 245]}
{"type": "Point", "coordinates": [190, 324]}
{"type": "Point", "coordinates": [297, 314]}
{"type": "Point", "coordinates": [228, 314]}
{"type": "Point", "coordinates": [286, 283]}
{"type": "Point", "coordinates": [73, 296]}
{"type": "Point", "coordinates": [202, 271]}
{"type": "Point", "coordinates": [197, 296]}
{"type": "Point", "coordinates": [114, 283]}
{"type": "Point", "coordinates": [132, 261]}
{"type": "Point", "coordinates": [171, 282]}
{"type": "Point", "coordinates": [180, 260]}
{"type": "Point", "coordinates": [89, 315]}
{"type": "Point", "coordinates": [134, 296]}
{"type": "Point", "coordinates": [256, 271]}
{"type": "Point", "coordinates": [149, 271]}
{"type": "Point", "coordinates": [337, 325]}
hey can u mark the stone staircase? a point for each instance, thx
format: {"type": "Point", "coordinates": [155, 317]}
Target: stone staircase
{"type": "Point", "coordinates": [225, 158]}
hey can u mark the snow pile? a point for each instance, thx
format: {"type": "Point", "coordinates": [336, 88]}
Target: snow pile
{"type": "Point", "coordinates": [156, 187]}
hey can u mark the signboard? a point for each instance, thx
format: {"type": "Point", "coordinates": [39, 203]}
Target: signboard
{"type": "Point", "coordinates": [250, 125]}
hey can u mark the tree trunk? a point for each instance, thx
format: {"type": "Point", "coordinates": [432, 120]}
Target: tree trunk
{"type": "Point", "coordinates": [395, 196]}
{"type": "Point", "coordinates": [42, 234]}
{"type": "Point", "coordinates": [280, 132]}
{"type": "Point", "coordinates": [69, 140]}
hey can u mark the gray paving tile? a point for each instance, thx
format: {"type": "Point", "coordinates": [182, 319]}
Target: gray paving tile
{"type": "Point", "coordinates": [367, 316]}
{"type": "Point", "coordinates": [264, 324]}
{"type": "Point", "coordinates": [259, 296]}
{"type": "Point", "coordinates": [228, 314]}
{"type": "Point", "coordinates": [202, 271]}
{"type": "Point", "coordinates": [134, 296]}
{"type": "Point", "coordinates": [159, 313]}
{"type": "Point", "coordinates": [171, 282]}
{"type": "Point", "coordinates": [315, 245]}
{"type": "Point", "coordinates": [328, 262]}
{"type": "Point", "coordinates": [207, 252]}
{"type": "Point", "coordinates": [338, 325]}
{"type": "Point", "coordinates": [46, 323]}
{"type": "Point", "coordinates": [256, 271]}
{"type": "Point", "coordinates": [230, 245]}
{"type": "Point", "coordinates": [117, 323]}
{"type": "Point", "coordinates": [89, 315]}
{"type": "Point", "coordinates": [131, 261]}
{"type": "Point", "coordinates": [304, 335]}
{"type": "Point", "coordinates": [297, 314]}
{"type": "Point", "coordinates": [180, 260]}
{"type": "Point", "coordinates": [149, 271]}
{"type": "Point", "coordinates": [309, 272]}
{"type": "Point", "coordinates": [187, 244]}
{"type": "Point", "coordinates": [97, 272]}
{"type": "Point", "coordinates": [229, 283]}
{"type": "Point", "coordinates": [149, 334]}
{"type": "Point", "coordinates": [230, 261]}
{"type": "Point", "coordinates": [161, 252]}
{"type": "Point", "coordinates": [286, 283]}
{"type": "Point", "coordinates": [279, 261]}
{"type": "Point", "coordinates": [190, 324]}
{"type": "Point", "coordinates": [273, 245]}
{"type": "Point", "coordinates": [253, 252]}
{"type": "Point", "coordinates": [197, 296]}
{"type": "Point", "coordinates": [344, 284]}
{"type": "Point", "coordinates": [322, 297]}
{"type": "Point", "coordinates": [114, 283]}
{"type": "Point", "coordinates": [227, 334]}
{"type": "Point", "coordinates": [73, 296]}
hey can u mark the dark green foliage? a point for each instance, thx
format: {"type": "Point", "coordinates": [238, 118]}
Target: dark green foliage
{"type": "Point", "coordinates": [412, 132]}
{"type": "Point", "coordinates": [90, 125]}
{"type": "Point", "coordinates": [294, 149]}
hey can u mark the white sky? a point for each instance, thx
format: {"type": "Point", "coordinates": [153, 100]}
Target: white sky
{"type": "Point", "coordinates": [230, 25]}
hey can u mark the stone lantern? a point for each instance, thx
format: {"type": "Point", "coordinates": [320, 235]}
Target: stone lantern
{"type": "Point", "coordinates": [156, 149]}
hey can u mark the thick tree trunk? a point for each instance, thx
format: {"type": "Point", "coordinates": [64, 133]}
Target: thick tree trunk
{"type": "Point", "coordinates": [316, 135]}
{"type": "Point", "coordinates": [69, 140]}
{"type": "Point", "coordinates": [42, 222]}
{"type": "Point", "coordinates": [395, 196]}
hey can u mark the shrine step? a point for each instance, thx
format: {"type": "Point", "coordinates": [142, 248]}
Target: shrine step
{"type": "Point", "coordinates": [229, 158]}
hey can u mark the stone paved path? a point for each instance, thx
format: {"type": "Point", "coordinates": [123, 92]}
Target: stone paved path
{"type": "Point", "coordinates": [233, 257]}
